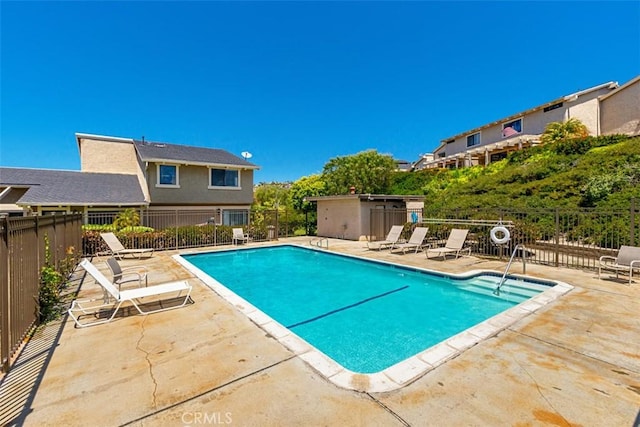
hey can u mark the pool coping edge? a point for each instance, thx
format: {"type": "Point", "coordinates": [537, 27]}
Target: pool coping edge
{"type": "Point", "coordinates": [402, 373]}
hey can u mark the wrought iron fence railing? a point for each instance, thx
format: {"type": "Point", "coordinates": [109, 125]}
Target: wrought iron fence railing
{"type": "Point", "coordinates": [22, 256]}
{"type": "Point", "coordinates": [557, 237]}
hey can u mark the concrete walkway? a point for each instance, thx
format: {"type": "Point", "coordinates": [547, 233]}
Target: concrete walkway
{"type": "Point", "coordinates": [573, 362]}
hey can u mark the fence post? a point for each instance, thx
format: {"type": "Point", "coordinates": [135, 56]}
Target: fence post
{"type": "Point", "coordinates": [632, 225]}
{"type": "Point", "coordinates": [557, 237]}
{"type": "Point", "coordinates": [5, 340]}
{"type": "Point", "coordinates": [176, 228]}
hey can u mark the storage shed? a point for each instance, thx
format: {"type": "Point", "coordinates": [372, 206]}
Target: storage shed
{"type": "Point", "coordinates": [350, 217]}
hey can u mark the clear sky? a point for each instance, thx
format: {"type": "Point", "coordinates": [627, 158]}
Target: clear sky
{"type": "Point", "coordinates": [294, 83]}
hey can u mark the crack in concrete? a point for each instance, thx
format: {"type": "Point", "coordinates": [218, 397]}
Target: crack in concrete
{"type": "Point", "coordinates": [541, 393]}
{"type": "Point", "coordinates": [389, 410]}
{"type": "Point", "coordinates": [204, 393]}
{"type": "Point", "coordinates": [146, 356]}
{"type": "Point", "coordinates": [572, 351]}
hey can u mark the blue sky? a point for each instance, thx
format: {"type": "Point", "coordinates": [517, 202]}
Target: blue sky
{"type": "Point", "coordinates": [294, 83]}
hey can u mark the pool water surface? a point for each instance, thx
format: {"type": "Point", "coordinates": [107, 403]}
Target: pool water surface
{"type": "Point", "coordinates": [365, 315]}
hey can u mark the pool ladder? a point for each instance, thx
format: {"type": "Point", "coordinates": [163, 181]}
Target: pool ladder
{"type": "Point", "coordinates": [321, 242]}
{"type": "Point", "coordinates": [524, 267]}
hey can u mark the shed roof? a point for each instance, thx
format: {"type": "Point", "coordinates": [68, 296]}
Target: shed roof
{"type": "Point", "coordinates": [47, 187]}
{"type": "Point", "coordinates": [370, 197]}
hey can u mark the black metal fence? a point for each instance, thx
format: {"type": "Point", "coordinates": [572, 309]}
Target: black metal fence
{"type": "Point", "coordinates": [557, 237]}
{"type": "Point", "coordinates": [22, 256]}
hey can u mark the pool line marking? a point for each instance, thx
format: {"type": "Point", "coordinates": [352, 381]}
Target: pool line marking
{"type": "Point", "coordinates": [346, 307]}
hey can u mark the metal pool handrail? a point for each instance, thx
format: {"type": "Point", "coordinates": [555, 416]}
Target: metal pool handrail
{"type": "Point", "coordinates": [524, 267]}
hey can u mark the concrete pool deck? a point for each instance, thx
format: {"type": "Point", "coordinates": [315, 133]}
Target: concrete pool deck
{"type": "Point", "coordinates": [575, 361]}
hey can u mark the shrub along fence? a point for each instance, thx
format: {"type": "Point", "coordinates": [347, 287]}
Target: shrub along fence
{"type": "Point", "coordinates": [557, 237]}
{"type": "Point", "coordinates": [23, 242]}
{"type": "Point", "coordinates": [181, 229]}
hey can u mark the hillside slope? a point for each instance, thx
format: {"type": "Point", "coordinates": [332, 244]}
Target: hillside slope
{"type": "Point", "coordinates": [602, 172]}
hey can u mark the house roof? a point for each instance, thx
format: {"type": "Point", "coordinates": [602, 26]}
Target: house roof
{"type": "Point", "coordinates": [571, 97]}
{"type": "Point", "coordinates": [621, 88]}
{"type": "Point", "coordinates": [48, 187]}
{"type": "Point", "coordinates": [163, 152]}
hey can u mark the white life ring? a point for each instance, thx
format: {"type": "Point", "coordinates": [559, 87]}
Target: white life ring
{"type": "Point", "coordinates": [500, 240]}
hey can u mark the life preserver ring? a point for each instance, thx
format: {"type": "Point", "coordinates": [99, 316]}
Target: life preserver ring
{"type": "Point", "coordinates": [500, 240]}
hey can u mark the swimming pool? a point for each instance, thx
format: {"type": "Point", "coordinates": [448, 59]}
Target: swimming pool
{"type": "Point", "coordinates": [368, 316]}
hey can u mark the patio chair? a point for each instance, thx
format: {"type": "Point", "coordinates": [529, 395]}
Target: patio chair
{"type": "Point", "coordinates": [454, 245]}
{"type": "Point", "coordinates": [239, 236]}
{"type": "Point", "coordinates": [119, 251]}
{"type": "Point", "coordinates": [127, 274]}
{"type": "Point", "coordinates": [416, 241]}
{"type": "Point", "coordinates": [628, 259]}
{"type": "Point", "coordinates": [392, 238]}
{"type": "Point", "coordinates": [134, 296]}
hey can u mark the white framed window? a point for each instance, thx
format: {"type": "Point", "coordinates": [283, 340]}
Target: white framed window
{"type": "Point", "coordinates": [224, 178]}
{"type": "Point", "coordinates": [168, 176]}
{"type": "Point", "coordinates": [512, 128]}
{"type": "Point", "coordinates": [473, 139]}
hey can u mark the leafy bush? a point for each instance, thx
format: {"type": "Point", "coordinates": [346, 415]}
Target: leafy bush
{"type": "Point", "coordinates": [52, 283]}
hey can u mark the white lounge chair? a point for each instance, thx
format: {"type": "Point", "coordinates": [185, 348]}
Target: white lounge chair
{"type": "Point", "coordinates": [454, 245]}
{"type": "Point", "coordinates": [416, 241]}
{"type": "Point", "coordinates": [392, 238]}
{"type": "Point", "coordinates": [119, 251]}
{"type": "Point", "coordinates": [127, 274]}
{"type": "Point", "coordinates": [239, 236]}
{"type": "Point", "coordinates": [628, 259]}
{"type": "Point", "coordinates": [134, 296]}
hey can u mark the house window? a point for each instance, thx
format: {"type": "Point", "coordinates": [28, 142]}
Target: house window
{"type": "Point", "coordinates": [224, 178]}
{"type": "Point", "coordinates": [512, 128]}
{"type": "Point", "coordinates": [552, 107]}
{"type": "Point", "coordinates": [473, 139]}
{"type": "Point", "coordinates": [235, 217]}
{"type": "Point", "coordinates": [168, 176]}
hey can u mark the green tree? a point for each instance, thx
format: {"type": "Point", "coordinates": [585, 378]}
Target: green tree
{"type": "Point", "coordinates": [367, 171]}
{"type": "Point", "coordinates": [307, 186]}
{"type": "Point", "coordinates": [127, 218]}
{"type": "Point", "coordinates": [270, 196]}
{"type": "Point", "coordinates": [558, 131]}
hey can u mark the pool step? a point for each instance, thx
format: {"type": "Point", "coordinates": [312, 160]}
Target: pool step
{"type": "Point", "coordinates": [513, 288]}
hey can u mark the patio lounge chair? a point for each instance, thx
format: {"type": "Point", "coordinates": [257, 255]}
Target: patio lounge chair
{"type": "Point", "coordinates": [416, 241]}
{"type": "Point", "coordinates": [392, 237]}
{"type": "Point", "coordinates": [239, 236]}
{"type": "Point", "coordinates": [134, 296]}
{"type": "Point", "coordinates": [628, 259]}
{"type": "Point", "coordinates": [120, 251]}
{"type": "Point", "coordinates": [127, 274]}
{"type": "Point", "coordinates": [454, 245]}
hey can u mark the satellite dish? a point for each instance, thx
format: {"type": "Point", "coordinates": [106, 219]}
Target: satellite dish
{"type": "Point", "coordinates": [246, 155]}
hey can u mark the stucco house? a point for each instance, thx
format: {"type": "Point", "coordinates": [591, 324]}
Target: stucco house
{"type": "Point", "coordinates": [350, 216]}
{"type": "Point", "coordinates": [150, 176]}
{"type": "Point", "coordinates": [620, 110]}
{"type": "Point", "coordinates": [604, 109]}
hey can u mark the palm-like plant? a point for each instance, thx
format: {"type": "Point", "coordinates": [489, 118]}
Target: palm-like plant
{"type": "Point", "coordinates": [558, 131]}
{"type": "Point", "coordinates": [127, 218]}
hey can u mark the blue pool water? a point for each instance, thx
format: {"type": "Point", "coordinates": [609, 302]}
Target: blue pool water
{"type": "Point", "coordinates": [363, 314]}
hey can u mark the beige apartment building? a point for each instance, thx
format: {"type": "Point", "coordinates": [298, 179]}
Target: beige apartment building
{"type": "Point", "coordinates": [604, 109]}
